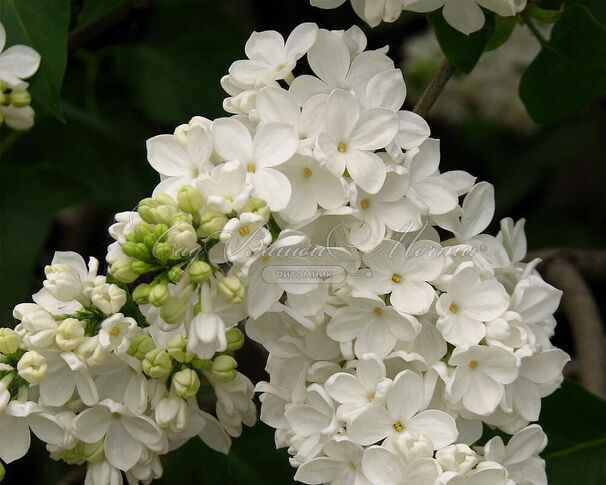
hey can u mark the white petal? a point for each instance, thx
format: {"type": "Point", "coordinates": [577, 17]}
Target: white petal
{"type": "Point", "coordinates": [413, 131]}
{"type": "Point", "coordinates": [92, 424]}
{"type": "Point", "coordinates": [438, 426]}
{"type": "Point", "coordinates": [329, 58]}
{"type": "Point", "coordinates": [301, 39]}
{"type": "Point", "coordinates": [15, 438]}
{"type": "Point", "coordinates": [371, 426]}
{"type": "Point", "coordinates": [478, 209]}
{"type": "Point", "coordinates": [386, 90]}
{"type": "Point", "coordinates": [414, 297]}
{"type": "Point", "coordinates": [464, 15]}
{"type": "Point", "coordinates": [375, 129]}
{"type": "Point", "coordinates": [265, 47]}
{"type": "Point", "coordinates": [382, 467]}
{"type": "Point", "coordinates": [19, 60]}
{"type": "Point", "coordinates": [366, 169]}
{"type": "Point", "coordinates": [121, 449]}
{"type": "Point", "coordinates": [46, 428]}
{"type": "Point", "coordinates": [274, 143]}
{"type": "Point", "coordinates": [342, 112]}
{"type": "Point", "coordinates": [273, 187]}
{"type": "Point", "coordinates": [168, 156]}
{"type": "Point", "coordinates": [232, 140]}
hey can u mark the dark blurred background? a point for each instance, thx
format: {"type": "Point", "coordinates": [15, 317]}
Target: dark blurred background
{"type": "Point", "coordinates": [159, 64]}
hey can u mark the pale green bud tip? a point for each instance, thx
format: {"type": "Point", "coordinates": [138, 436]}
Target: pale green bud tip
{"type": "Point", "coordinates": [20, 98]}
{"type": "Point", "coordinates": [122, 270]}
{"type": "Point", "coordinates": [157, 363]}
{"type": "Point", "coordinates": [199, 271]}
{"type": "Point", "coordinates": [186, 383]}
{"type": "Point", "coordinates": [201, 364]}
{"type": "Point", "coordinates": [175, 274]}
{"type": "Point", "coordinates": [235, 339]}
{"type": "Point", "coordinates": [189, 199]}
{"type": "Point", "coordinates": [173, 311]}
{"type": "Point", "coordinates": [159, 294]}
{"type": "Point", "coordinates": [140, 346]}
{"type": "Point", "coordinates": [141, 294]}
{"type": "Point", "coordinates": [32, 367]}
{"type": "Point", "coordinates": [211, 224]}
{"type": "Point", "coordinates": [257, 206]}
{"type": "Point", "coordinates": [177, 349]}
{"type": "Point", "coordinates": [93, 452]}
{"type": "Point", "coordinates": [157, 209]}
{"type": "Point", "coordinates": [140, 267]}
{"type": "Point", "coordinates": [9, 341]}
{"type": "Point", "coordinates": [230, 289]}
{"type": "Point", "coordinates": [224, 368]}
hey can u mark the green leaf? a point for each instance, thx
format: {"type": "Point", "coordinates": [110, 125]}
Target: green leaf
{"type": "Point", "coordinates": [570, 70]}
{"type": "Point", "coordinates": [93, 10]}
{"type": "Point", "coordinates": [461, 49]}
{"type": "Point", "coordinates": [252, 460]}
{"type": "Point", "coordinates": [43, 26]}
{"type": "Point", "coordinates": [575, 422]}
{"type": "Point", "coordinates": [503, 28]}
{"type": "Point", "coordinates": [596, 7]}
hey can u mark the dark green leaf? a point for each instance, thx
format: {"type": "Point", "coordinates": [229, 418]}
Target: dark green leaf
{"type": "Point", "coordinates": [460, 49]}
{"type": "Point", "coordinates": [570, 70]}
{"type": "Point", "coordinates": [43, 26]}
{"type": "Point", "coordinates": [93, 10]}
{"type": "Point", "coordinates": [575, 422]}
{"type": "Point", "coordinates": [596, 7]}
{"type": "Point", "coordinates": [503, 28]}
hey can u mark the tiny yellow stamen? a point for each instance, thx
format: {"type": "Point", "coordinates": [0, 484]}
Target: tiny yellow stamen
{"type": "Point", "coordinates": [244, 230]}
{"type": "Point", "coordinates": [307, 172]}
{"type": "Point", "coordinates": [364, 203]}
{"type": "Point", "coordinates": [453, 308]}
{"type": "Point", "coordinates": [251, 169]}
{"type": "Point", "coordinates": [116, 415]}
{"type": "Point", "coordinates": [473, 364]}
{"type": "Point", "coordinates": [341, 147]}
{"type": "Point", "coordinates": [396, 278]}
{"type": "Point", "coordinates": [115, 331]}
{"type": "Point", "coordinates": [346, 174]}
{"type": "Point", "coordinates": [371, 398]}
{"type": "Point", "coordinates": [398, 426]}
{"type": "Point", "coordinates": [266, 259]}
{"type": "Point", "coordinates": [378, 310]}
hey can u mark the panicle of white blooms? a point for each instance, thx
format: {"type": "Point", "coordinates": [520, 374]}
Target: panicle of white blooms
{"type": "Point", "coordinates": [396, 329]}
{"type": "Point", "coordinates": [17, 63]}
{"type": "Point", "coordinates": [490, 90]}
{"type": "Point", "coordinates": [463, 15]}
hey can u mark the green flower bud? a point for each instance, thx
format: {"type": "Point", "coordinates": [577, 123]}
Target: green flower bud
{"type": "Point", "coordinates": [20, 98]}
{"type": "Point", "coordinates": [73, 456]}
{"type": "Point", "coordinates": [182, 235]}
{"type": "Point", "coordinates": [211, 224]}
{"type": "Point", "coordinates": [176, 349]}
{"type": "Point", "coordinates": [235, 339]}
{"type": "Point", "coordinates": [224, 368]}
{"type": "Point", "coordinates": [142, 251]}
{"type": "Point", "coordinates": [130, 249]}
{"type": "Point", "coordinates": [257, 206]}
{"type": "Point", "coordinates": [93, 452]}
{"type": "Point", "coordinates": [201, 364]}
{"type": "Point", "coordinates": [160, 229]}
{"type": "Point", "coordinates": [143, 229]}
{"type": "Point", "coordinates": [140, 267]}
{"type": "Point", "coordinates": [141, 346]}
{"type": "Point", "coordinates": [141, 294]}
{"type": "Point", "coordinates": [122, 270]}
{"type": "Point", "coordinates": [175, 273]}
{"type": "Point", "coordinates": [230, 289]}
{"type": "Point", "coordinates": [32, 367]}
{"type": "Point", "coordinates": [157, 209]}
{"type": "Point", "coordinates": [159, 294]}
{"type": "Point", "coordinates": [150, 241]}
{"type": "Point", "coordinates": [186, 383]}
{"type": "Point", "coordinates": [157, 363]}
{"type": "Point", "coordinates": [70, 334]}
{"type": "Point", "coordinates": [189, 199]}
{"type": "Point", "coordinates": [199, 271]}
{"type": "Point", "coordinates": [9, 341]}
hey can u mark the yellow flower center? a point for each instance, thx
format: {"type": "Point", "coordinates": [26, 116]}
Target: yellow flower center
{"type": "Point", "coordinates": [378, 310]}
{"type": "Point", "coordinates": [364, 203]}
{"type": "Point", "coordinates": [251, 169]}
{"type": "Point", "coordinates": [307, 172]}
{"type": "Point", "coordinates": [116, 415]}
{"type": "Point", "coordinates": [244, 230]}
{"type": "Point", "coordinates": [396, 278]}
{"type": "Point", "coordinates": [341, 147]}
{"type": "Point", "coordinates": [371, 398]}
{"type": "Point", "coordinates": [346, 174]}
{"type": "Point", "coordinates": [473, 364]}
{"type": "Point", "coordinates": [398, 426]}
{"type": "Point", "coordinates": [115, 331]}
{"type": "Point", "coordinates": [453, 308]}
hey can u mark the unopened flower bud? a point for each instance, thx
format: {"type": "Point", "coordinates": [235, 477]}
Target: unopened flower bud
{"type": "Point", "coordinates": [62, 281]}
{"type": "Point", "coordinates": [411, 445]}
{"type": "Point", "coordinates": [177, 349]}
{"type": "Point", "coordinates": [70, 334]}
{"type": "Point", "coordinates": [230, 289]}
{"type": "Point", "coordinates": [9, 341]}
{"type": "Point", "coordinates": [160, 229]}
{"type": "Point", "coordinates": [199, 271]}
{"type": "Point", "coordinates": [73, 456]}
{"type": "Point", "coordinates": [175, 308]}
{"type": "Point", "coordinates": [143, 229]}
{"type": "Point", "coordinates": [130, 249]}
{"type": "Point", "coordinates": [32, 367]}
{"type": "Point", "coordinates": [122, 270]}
{"type": "Point", "coordinates": [172, 411]}
{"type": "Point", "coordinates": [141, 294]}
{"type": "Point", "coordinates": [20, 98]}
{"type": "Point", "coordinates": [157, 363]}
{"type": "Point", "coordinates": [189, 199]}
{"type": "Point", "coordinates": [186, 383]}
{"type": "Point", "coordinates": [91, 352]}
{"type": "Point", "coordinates": [458, 458]}
{"type": "Point", "coordinates": [175, 273]}
{"type": "Point", "coordinates": [140, 346]}
{"type": "Point", "coordinates": [224, 368]}
{"type": "Point", "coordinates": [235, 339]}
{"type": "Point", "coordinates": [257, 206]}
{"type": "Point", "coordinates": [211, 224]}
{"type": "Point", "coordinates": [182, 235]}
{"type": "Point", "coordinates": [156, 209]}
{"type": "Point", "coordinates": [140, 267]}
{"type": "Point", "coordinates": [108, 298]}
{"type": "Point", "coordinates": [141, 251]}
{"type": "Point", "coordinates": [162, 250]}
{"type": "Point", "coordinates": [201, 364]}
{"type": "Point", "coordinates": [159, 294]}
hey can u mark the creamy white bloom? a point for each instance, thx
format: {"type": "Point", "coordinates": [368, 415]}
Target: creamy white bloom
{"type": "Point", "coordinates": [17, 63]}
{"type": "Point", "coordinates": [116, 333]}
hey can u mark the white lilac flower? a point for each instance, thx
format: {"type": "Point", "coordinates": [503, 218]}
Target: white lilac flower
{"type": "Point", "coordinates": [17, 63]}
{"type": "Point", "coordinates": [382, 466]}
{"type": "Point", "coordinates": [116, 333]}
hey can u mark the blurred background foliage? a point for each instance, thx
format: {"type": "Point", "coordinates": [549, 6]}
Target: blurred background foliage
{"type": "Point", "coordinates": [138, 68]}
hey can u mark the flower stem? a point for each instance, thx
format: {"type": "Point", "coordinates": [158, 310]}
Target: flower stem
{"type": "Point", "coordinates": [434, 88]}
